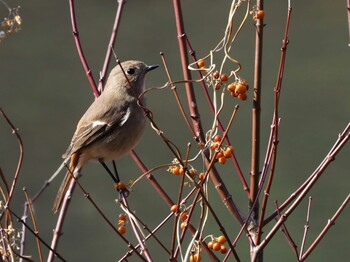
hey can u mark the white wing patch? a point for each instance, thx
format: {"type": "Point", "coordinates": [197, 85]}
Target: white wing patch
{"type": "Point", "coordinates": [98, 123]}
{"type": "Point", "coordinates": [125, 117]}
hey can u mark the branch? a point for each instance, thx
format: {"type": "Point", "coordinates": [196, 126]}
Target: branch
{"type": "Point", "coordinates": [342, 140]}
{"type": "Point", "coordinates": [326, 228]}
{"type": "Point", "coordinates": [80, 49]}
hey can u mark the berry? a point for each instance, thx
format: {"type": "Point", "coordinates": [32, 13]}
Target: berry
{"type": "Point", "coordinates": [195, 258]}
{"type": "Point", "coordinates": [201, 63]}
{"type": "Point", "coordinates": [216, 246]}
{"type": "Point", "coordinates": [241, 88]}
{"type": "Point", "coordinates": [217, 138]}
{"type": "Point", "coordinates": [221, 239]}
{"type": "Point", "coordinates": [175, 170]}
{"type": "Point", "coordinates": [222, 160]}
{"type": "Point", "coordinates": [260, 14]}
{"type": "Point", "coordinates": [121, 230]}
{"type": "Point", "coordinates": [228, 152]}
{"type": "Point", "coordinates": [223, 77]}
{"type": "Point", "coordinates": [242, 96]}
{"type": "Point", "coordinates": [216, 75]}
{"type": "Point", "coordinates": [231, 87]}
{"type": "Point", "coordinates": [174, 208]}
{"type": "Point", "coordinates": [121, 185]}
{"type": "Point", "coordinates": [122, 217]}
{"type": "Point", "coordinates": [214, 145]}
{"type": "Point", "coordinates": [184, 216]}
{"type": "Point", "coordinates": [223, 249]}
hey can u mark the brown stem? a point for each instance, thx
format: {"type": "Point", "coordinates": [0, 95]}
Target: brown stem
{"type": "Point", "coordinates": [35, 224]}
{"type": "Point", "coordinates": [342, 140]}
{"type": "Point", "coordinates": [191, 98]}
{"type": "Point", "coordinates": [343, 137]}
{"type": "Point", "coordinates": [275, 124]}
{"type": "Point", "coordinates": [80, 49]}
{"type": "Point", "coordinates": [210, 103]}
{"type": "Point", "coordinates": [348, 12]}
{"type": "Point", "coordinates": [254, 179]}
{"type": "Point", "coordinates": [306, 227]}
{"type": "Point", "coordinates": [218, 183]}
{"type": "Point", "coordinates": [111, 45]}
{"type": "Point", "coordinates": [330, 223]}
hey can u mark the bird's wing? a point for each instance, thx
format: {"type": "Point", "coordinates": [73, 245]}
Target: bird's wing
{"type": "Point", "coordinates": [93, 128]}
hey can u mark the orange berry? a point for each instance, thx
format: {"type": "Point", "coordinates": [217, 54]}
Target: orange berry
{"type": "Point", "coordinates": [228, 152]}
{"type": "Point", "coordinates": [217, 86]}
{"type": "Point", "coordinates": [219, 155]}
{"type": "Point", "coordinates": [216, 75]}
{"type": "Point", "coordinates": [260, 14]}
{"type": "Point", "coordinates": [182, 171]}
{"type": "Point", "coordinates": [216, 246]}
{"type": "Point", "coordinates": [195, 258]}
{"type": "Point", "coordinates": [242, 96]}
{"type": "Point", "coordinates": [201, 176]}
{"type": "Point", "coordinates": [201, 63]}
{"type": "Point", "coordinates": [121, 185]}
{"type": "Point", "coordinates": [210, 244]}
{"type": "Point", "coordinates": [223, 249]}
{"type": "Point", "coordinates": [234, 94]}
{"type": "Point", "coordinates": [241, 88]}
{"type": "Point", "coordinates": [214, 146]}
{"type": "Point", "coordinates": [184, 216]}
{"type": "Point", "coordinates": [175, 170]}
{"type": "Point", "coordinates": [184, 225]}
{"type": "Point", "coordinates": [221, 239]}
{"type": "Point", "coordinates": [174, 208]}
{"type": "Point", "coordinates": [122, 230]}
{"type": "Point", "coordinates": [245, 84]}
{"type": "Point", "coordinates": [222, 160]}
{"type": "Point", "coordinates": [223, 77]}
{"type": "Point", "coordinates": [217, 138]}
{"type": "Point", "coordinates": [122, 217]}
{"type": "Point", "coordinates": [231, 87]}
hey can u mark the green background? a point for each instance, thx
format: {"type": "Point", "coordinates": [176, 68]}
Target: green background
{"type": "Point", "coordinates": [44, 91]}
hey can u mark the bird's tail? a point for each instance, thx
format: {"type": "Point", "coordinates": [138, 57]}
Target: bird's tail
{"type": "Point", "coordinates": [65, 183]}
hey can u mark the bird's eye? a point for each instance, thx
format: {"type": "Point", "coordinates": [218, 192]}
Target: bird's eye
{"type": "Point", "coordinates": [130, 71]}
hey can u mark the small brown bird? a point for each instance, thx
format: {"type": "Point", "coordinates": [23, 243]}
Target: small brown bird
{"type": "Point", "coordinates": [112, 125]}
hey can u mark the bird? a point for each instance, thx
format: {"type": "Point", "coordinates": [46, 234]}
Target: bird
{"type": "Point", "coordinates": [112, 125]}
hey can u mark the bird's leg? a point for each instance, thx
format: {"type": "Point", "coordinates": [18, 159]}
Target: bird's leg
{"type": "Point", "coordinates": [115, 171]}
{"type": "Point", "coordinates": [115, 177]}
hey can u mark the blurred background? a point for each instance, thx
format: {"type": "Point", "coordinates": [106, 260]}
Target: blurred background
{"type": "Point", "coordinates": [44, 91]}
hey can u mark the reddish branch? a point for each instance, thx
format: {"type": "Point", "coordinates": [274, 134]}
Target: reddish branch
{"type": "Point", "coordinates": [80, 49]}
{"type": "Point", "coordinates": [342, 140]}
{"type": "Point", "coordinates": [275, 124]}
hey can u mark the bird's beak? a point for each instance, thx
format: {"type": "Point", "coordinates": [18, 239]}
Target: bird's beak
{"type": "Point", "coordinates": [151, 67]}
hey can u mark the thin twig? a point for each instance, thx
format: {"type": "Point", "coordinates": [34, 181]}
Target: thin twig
{"type": "Point", "coordinates": [36, 230]}
{"type": "Point", "coordinates": [287, 235]}
{"type": "Point", "coordinates": [80, 49]}
{"type": "Point", "coordinates": [342, 140]}
{"type": "Point", "coordinates": [348, 12]}
{"type": "Point", "coordinates": [306, 227]}
{"type": "Point", "coordinates": [277, 92]}
{"type": "Point", "coordinates": [111, 45]}
{"type": "Point", "coordinates": [256, 110]}
{"type": "Point", "coordinates": [36, 235]}
{"type": "Point", "coordinates": [20, 159]}
{"type": "Point", "coordinates": [330, 223]}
